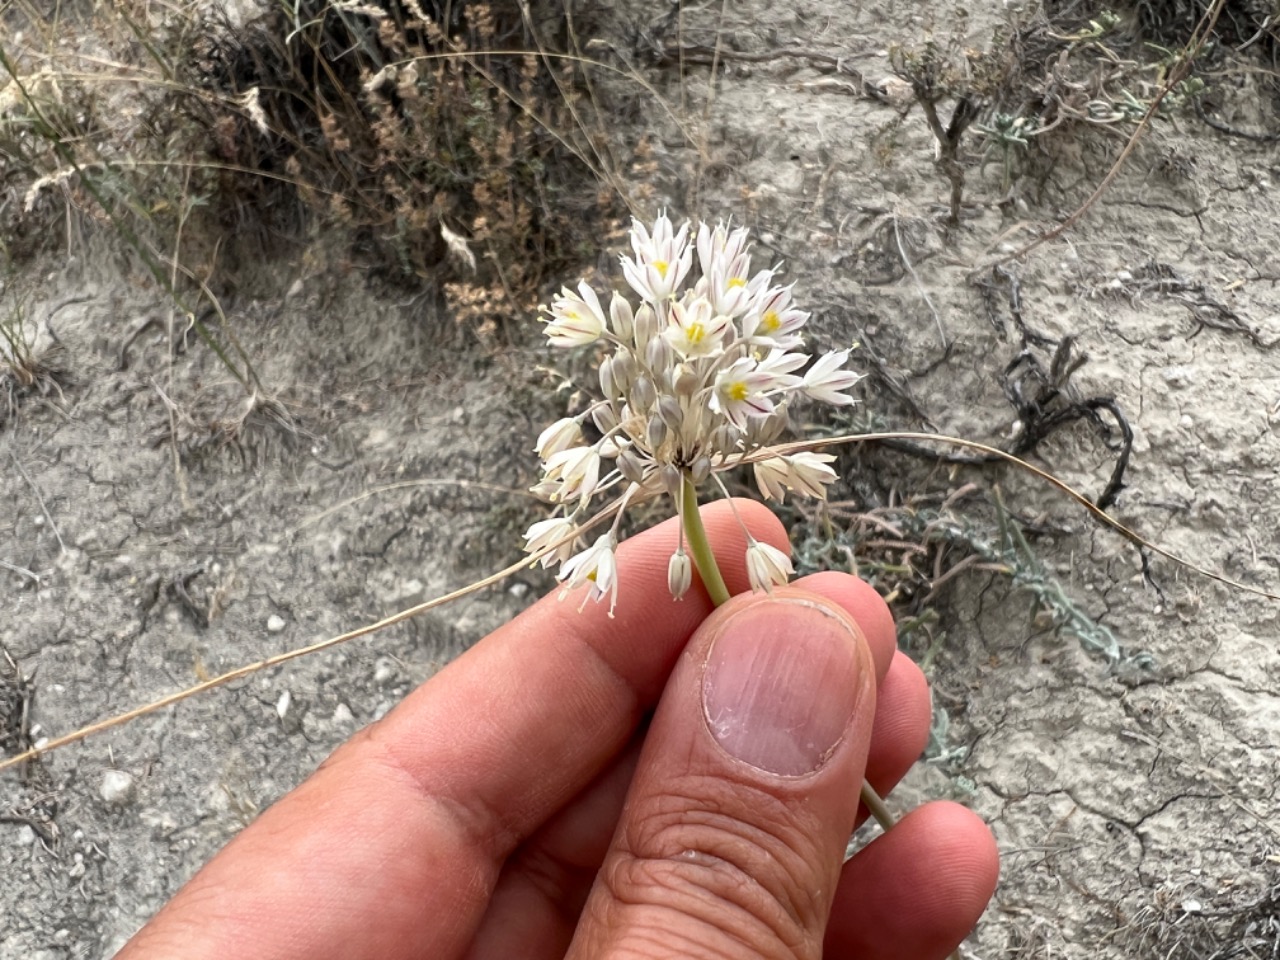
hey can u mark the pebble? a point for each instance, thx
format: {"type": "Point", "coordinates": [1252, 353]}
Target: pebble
{"type": "Point", "coordinates": [385, 671]}
{"type": "Point", "coordinates": [411, 593]}
{"type": "Point", "coordinates": [116, 788]}
{"type": "Point", "coordinates": [518, 590]}
{"type": "Point", "coordinates": [283, 704]}
{"type": "Point", "coordinates": [342, 715]}
{"type": "Point", "coordinates": [275, 623]}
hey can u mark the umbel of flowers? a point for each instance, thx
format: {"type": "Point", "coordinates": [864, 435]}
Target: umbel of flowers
{"type": "Point", "coordinates": [698, 373]}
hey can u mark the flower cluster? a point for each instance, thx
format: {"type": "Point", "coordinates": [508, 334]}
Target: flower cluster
{"type": "Point", "coordinates": [697, 376]}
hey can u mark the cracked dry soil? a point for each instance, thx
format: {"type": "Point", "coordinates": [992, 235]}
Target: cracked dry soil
{"type": "Point", "coordinates": [148, 544]}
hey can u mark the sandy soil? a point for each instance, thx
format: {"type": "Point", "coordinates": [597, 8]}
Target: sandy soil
{"type": "Point", "coordinates": [1135, 802]}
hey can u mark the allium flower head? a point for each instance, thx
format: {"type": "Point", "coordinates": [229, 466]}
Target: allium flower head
{"type": "Point", "coordinates": [698, 377]}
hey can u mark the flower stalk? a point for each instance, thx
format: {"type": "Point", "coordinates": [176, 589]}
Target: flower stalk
{"type": "Point", "coordinates": [705, 560]}
{"type": "Point", "coordinates": [699, 546]}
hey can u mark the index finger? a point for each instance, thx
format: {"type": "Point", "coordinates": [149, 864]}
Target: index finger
{"type": "Point", "coordinates": [409, 824]}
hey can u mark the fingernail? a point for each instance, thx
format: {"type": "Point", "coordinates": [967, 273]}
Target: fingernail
{"type": "Point", "coordinates": [781, 684]}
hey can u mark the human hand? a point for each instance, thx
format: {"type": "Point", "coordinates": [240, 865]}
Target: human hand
{"type": "Point", "coordinates": [515, 805]}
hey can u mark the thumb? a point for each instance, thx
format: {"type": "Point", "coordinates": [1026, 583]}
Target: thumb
{"type": "Point", "coordinates": [732, 836]}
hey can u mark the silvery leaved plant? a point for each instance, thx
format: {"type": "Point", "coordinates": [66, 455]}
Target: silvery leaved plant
{"type": "Point", "coordinates": [698, 377]}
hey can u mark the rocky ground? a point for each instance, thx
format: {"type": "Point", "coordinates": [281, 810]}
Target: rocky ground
{"type": "Point", "coordinates": [158, 530]}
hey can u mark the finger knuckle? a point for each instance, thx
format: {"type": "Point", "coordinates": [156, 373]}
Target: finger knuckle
{"type": "Point", "coordinates": [737, 862]}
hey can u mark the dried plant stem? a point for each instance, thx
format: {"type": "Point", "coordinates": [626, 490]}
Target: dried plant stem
{"type": "Point", "coordinates": [705, 561]}
{"type": "Point", "coordinates": [813, 444]}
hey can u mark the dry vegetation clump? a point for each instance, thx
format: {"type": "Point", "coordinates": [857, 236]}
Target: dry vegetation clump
{"type": "Point", "coordinates": [26, 366]}
{"type": "Point", "coordinates": [424, 135]}
{"type": "Point", "coordinates": [414, 144]}
{"type": "Point", "coordinates": [1063, 74]}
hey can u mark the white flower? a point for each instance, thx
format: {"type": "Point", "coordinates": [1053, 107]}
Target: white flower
{"type": "Point", "coordinates": [719, 247]}
{"type": "Point", "coordinates": [695, 379]}
{"type": "Point", "coordinates": [662, 260]}
{"type": "Point", "coordinates": [575, 318]}
{"type": "Point", "coordinates": [576, 473]}
{"type": "Point", "coordinates": [679, 574]}
{"type": "Point", "coordinates": [771, 478]}
{"type": "Point", "coordinates": [595, 566]}
{"type": "Point", "coordinates": [726, 268]}
{"type": "Point", "coordinates": [805, 473]}
{"type": "Point", "coordinates": [779, 363]}
{"type": "Point", "coordinates": [767, 566]}
{"type": "Point", "coordinates": [560, 436]}
{"type": "Point", "coordinates": [740, 392]}
{"type": "Point", "coordinates": [694, 331]}
{"type": "Point", "coordinates": [544, 533]}
{"type": "Point", "coordinates": [773, 320]}
{"type": "Point", "coordinates": [810, 473]}
{"type": "Point", "coordinates": [825, 379]}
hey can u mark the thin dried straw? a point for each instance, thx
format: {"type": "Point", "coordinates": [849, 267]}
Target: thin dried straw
{"type": "Point", "coordinates": [801, 445]}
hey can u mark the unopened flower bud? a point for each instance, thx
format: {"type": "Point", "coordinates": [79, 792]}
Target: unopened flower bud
{"type": "Point", "coordinates": [624, 371]}
{"type": "Point", "coordinates": [605, 417]}
{"type": "Point", "coordinates": [643, 394]}
{"type": "Point", "coordinates": [679, 574]}
{"type": "Point", "coordinates": [645, 323]}
{"type": "Point", "coordinates": [621, 317]}
{"type": "Point", "coordinates": [608, 386]}
{"type": "Point", "coordinates": [631, 466]}
{"type": "Point", "coordinates": [725, 438]}
{"type": "Point", "coordinates": [762, 431]}
{"type": "Point", "coordinates": [670, 411]}
{"type": "Point", "coordinates": [657, 432]}
{"type": "Point", "coordinates": [685, 381]}
{"type": "Point", "coordinates": [673, 480]}
{"type": "Point", "coordinates": [658, 354]}
{"type": "Point", "coordinates": [700, 470]}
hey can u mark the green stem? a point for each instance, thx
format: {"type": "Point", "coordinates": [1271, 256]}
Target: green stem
{"type": "Point", "coordinates": [699, 546]}
{"type": "Point", "coordinates": [709, 571]}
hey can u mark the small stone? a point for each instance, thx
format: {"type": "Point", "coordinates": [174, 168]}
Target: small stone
{"type": "Point", "coordinates": [283, 704]}
{"type": "Point", "coordinates": [342, 715]}
{"type": "Point", "coordinates": [410, 593]}
{"type": "Point", "coordinates": [26, 836]}
{"type": "Point", "coordinates": [275, 623]}
{"type": "Point", "coordinates": [116, 788]}
{"type": "Point", "coordinates": [384, 671]}
{"type": "Point", "coordinates": [518, 590]}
